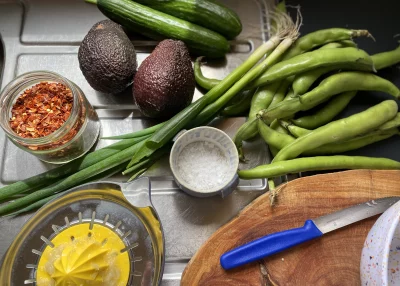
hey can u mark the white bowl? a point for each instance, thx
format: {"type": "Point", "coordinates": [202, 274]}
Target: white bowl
{"type": "Point", "coordinates": [203, 165]}
{"type": "Point", "coordinates": [380, 259]}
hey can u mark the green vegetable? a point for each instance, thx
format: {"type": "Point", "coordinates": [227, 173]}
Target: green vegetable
{"type": "Point", "coordinates": [319, 38]}
{"type": "Point", "coordinates": [204, 82]}
{"type": "Point", "coordinates": [158, 25]}
{"type": "Point", "coordinates": [298, 131]}
{"type": "Point", "coordinates": [293, 129]}
{"type": "Point", "coordinates": [312, 40]}
{"type": "Point", "coordinates": [386, 59]}
{"type": "Point", "coordinates": [340, 130]}
{"type": "Point", "coordinates": [74, 179]}
{"type": "Point", "coordinates": [395, 122]}
{"type": "Point", "coordinates": [352, 144]}
{"type": "Point", "coordinates": [42, 202]}
{"type": "Point", "coordinates": [148, 161]}
{"type": "Point", "coordinates": [247, 130]}
{"type": "Point", "coordinates": [208, 14]}
{"type": "Point", "coordinates": [240, 106]}
{"type": "Point", "coordinates": [140, 133]}
{"type": "Point", "coordinates": [281, 93]}
{"type": "Point", "coordinates": [209, 112]}
{"type": "Point", "coordinates": [345, 58]}
{"type": "Point", "coordinates": [289, 95]}
{"type": "Point", "coordinates": [322, 37]}
{"type": "Point", "coordinates": [279, 140]}
{"type": "Point", "coordinates": [250, 127]}
{"type": "Point", "coordinates": [340, 44]}
{"type": "Point", "coordinates": [335, 84]}
{"type": "Point", "coordinates": [304, 81]}
{"type": "Point", "coordinates": [339, 102]}
{"type": "Point", "coordinates": [34, 206]}
{"type": "Point", "coordinates": [55, 174]}
{"type": "Point", "coordinates": [276, 169]}
{"type": "Point", "coordinates": [272, 137]}
{"type": "Point", "coordinates": [262, 99]}
{"type": "Point", "coordinates": [329, 111]}
{"type": "Point", "coordinates": [275, 126]}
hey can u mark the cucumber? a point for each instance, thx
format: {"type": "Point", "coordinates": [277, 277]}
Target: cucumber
{"type": "Point", "coordinates": [204, 13]}
{"type": "Point", "coordinates": [141, 18]}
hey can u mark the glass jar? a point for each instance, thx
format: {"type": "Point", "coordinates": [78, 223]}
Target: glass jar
{"type": "Point", "coordinates": [75, 136]}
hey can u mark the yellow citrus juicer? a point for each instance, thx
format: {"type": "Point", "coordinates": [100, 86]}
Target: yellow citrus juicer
{"type": "Point", "coordinates": [98, 234]}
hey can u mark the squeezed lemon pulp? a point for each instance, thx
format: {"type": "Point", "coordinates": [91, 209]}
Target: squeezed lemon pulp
{"type": "Point", "coordinates": [83, 256]}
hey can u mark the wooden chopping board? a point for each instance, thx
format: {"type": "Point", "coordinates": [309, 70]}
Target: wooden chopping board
{"type": "Point", "coordinates": [333, 259]}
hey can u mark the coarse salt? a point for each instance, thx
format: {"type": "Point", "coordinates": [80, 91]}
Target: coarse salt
{"type": "Point", "coordinates": [203, 166]}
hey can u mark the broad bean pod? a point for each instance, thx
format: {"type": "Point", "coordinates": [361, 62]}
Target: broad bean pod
{"type": "Point", "coordinates": [386, 59]}
{"type": "Point", "coordinates": [339, 103]}
{"type": "Point", "coordinates": [298, 131]}
{"type": "Point", "coordinates": [304, 81]}
{"type": "Point", "coordinates": [329, 111]}
{"type": "Point", "coordinates": [272, 137]}
{"type": "Point", "coordinates": [352, 144]}
{"type": "Point", "coordinates": [335, 84]}
{"type": "Point", "coordinates": [279, 140]}
{"type": "Point", "coordinates": [341, 130]}
{"type": "Point", "coordinates": [262, 99]}
{"type": "Point", "coordinates": [241, 106]}
{"type": "Point", "coordinates": [395, 122]}
{"type": "Point", "coordinates": [280, 93]}
{"type": "Point", "coordinates": [345, 58]}
{"type": "Point", "coordinates": [321, 37]}
{"type": "Point", "coordinates": [318, 163]}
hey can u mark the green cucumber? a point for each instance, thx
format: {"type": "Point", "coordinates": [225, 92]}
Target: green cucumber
{"type": "Point", "coordinates": [211, 15]}
{"type": "Point", "coordinates": [140, 18]}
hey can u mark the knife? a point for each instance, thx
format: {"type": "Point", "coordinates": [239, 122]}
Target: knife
{"type": "Point", "coordinates": [279, 241]}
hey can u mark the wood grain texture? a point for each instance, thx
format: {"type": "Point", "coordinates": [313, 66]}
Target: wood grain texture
{"type": "Point", "coordinates": [333, 259]}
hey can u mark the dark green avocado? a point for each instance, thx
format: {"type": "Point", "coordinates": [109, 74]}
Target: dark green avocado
{"type": "Point", "coordinates": [107, 58]}
{"type": "Point", "coordinates": [164, 83]}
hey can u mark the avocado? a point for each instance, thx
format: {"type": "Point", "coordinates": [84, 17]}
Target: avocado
{"type": "Point", "coordinates": [164, 83]}
{"type": "Point", "coordinates": [107, 58]}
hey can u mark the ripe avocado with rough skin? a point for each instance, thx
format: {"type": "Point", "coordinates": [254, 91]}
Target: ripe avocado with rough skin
{"type": "Point", "coordinates": [164, 83]}
{"type": "Point", "coordinates": [107, 58]}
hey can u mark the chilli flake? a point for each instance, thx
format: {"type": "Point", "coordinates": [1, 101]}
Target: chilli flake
{"type": "Point", "coordinates": [41, 110]}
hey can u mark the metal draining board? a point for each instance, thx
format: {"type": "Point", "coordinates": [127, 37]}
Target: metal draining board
{"type": "Point", "coordinates": [45, 35]}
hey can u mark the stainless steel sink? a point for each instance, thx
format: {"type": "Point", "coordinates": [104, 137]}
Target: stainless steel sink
{"type": "Point", "coordinates": [45, 35]}
{"type": "Point", "coordinates": [1, 58]}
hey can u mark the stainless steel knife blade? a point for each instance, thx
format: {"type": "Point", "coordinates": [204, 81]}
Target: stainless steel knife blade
{"type": "Point", "coordinates": [353, 214]}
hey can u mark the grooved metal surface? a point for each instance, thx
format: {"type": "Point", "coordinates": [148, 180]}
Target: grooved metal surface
{"type": "Point", "coordinates": [45, 35]}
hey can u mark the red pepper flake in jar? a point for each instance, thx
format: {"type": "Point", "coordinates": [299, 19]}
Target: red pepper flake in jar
{"type": "Point", "coordinates": [41, 110]}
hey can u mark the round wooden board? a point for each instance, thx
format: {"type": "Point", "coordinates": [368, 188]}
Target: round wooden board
{"type": "Point", "coordinates": [333, 259]}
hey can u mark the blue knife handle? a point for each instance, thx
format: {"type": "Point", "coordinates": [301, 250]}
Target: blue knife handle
{"type": "Point", "coordinates": [269, 244]}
